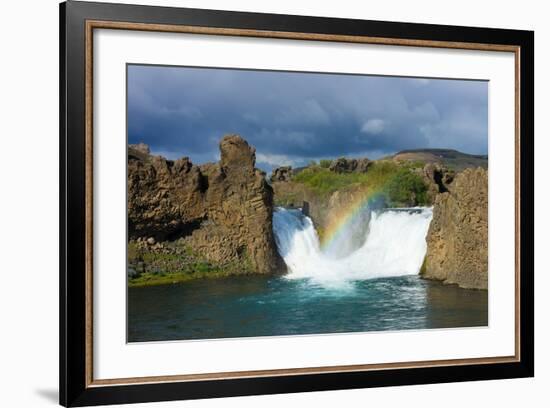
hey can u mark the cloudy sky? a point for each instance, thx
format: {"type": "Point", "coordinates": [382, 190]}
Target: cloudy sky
{"type": "Point", "coordinates": [293, 118]}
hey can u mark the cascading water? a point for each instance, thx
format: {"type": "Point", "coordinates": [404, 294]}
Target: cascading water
{"type": "Point", "coordinates": [351, 236]}
{"type": "Point", "coordinates": [394, 245]}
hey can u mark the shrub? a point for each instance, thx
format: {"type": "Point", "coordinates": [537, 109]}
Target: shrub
{"type": "Point", "coordinates": [406, 189]}
{"type": "Point", "coordinates": [399, 185]}
{"type": "Point", "coordinates": [325, 163]}
{"type": "Point", "coordinates": [323, 181]}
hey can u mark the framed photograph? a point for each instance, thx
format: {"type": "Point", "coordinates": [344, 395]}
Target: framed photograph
{"type": "Point", "coordinates": [256, 203]}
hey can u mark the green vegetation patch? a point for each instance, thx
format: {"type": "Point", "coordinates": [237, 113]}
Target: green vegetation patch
{"type": "Point", "coordinates": [406, 188]}
{"type": "Point", "coordinates": [175, 263]}
{"type": "Point", "coordinates": [399, 183]}
{"type": "Point", "coordinates": [169, 278]}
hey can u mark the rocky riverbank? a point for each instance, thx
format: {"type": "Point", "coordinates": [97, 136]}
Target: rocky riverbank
{"type": "Point", "coordinates": [218, 213]}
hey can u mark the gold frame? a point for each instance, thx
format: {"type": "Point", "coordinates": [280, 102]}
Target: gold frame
{"type": "Point", "coordinates": [99, 24]}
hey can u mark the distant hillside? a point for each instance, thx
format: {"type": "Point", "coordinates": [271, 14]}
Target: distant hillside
{"type": "Point", "coordinates": [453, 159]}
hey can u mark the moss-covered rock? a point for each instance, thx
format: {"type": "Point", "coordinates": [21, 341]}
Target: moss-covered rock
{"type": "Point", "coordinates": [174, 262]}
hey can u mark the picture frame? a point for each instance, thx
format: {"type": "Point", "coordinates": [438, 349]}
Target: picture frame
{"type": "Point", "coordinates": [79, 21]}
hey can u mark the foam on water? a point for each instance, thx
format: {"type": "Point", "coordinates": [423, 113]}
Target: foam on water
{"type": "Point", "coordinates": [394, 245]}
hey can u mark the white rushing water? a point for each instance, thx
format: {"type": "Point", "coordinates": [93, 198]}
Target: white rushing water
{"type": "Point", "coordinates": [394, 245]}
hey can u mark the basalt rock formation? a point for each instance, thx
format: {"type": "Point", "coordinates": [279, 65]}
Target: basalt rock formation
{"type": "Point", "coordinates": [283, 173]}
{"type": "Point", "coordinates": [222, 210]}
{"type": "Point", "coordinates": [457, 238]}
{"type": "Point", "coordinates": [343, 165]}
{"type": "Point", "coordinates": [437, 178]}
{"type": "Point", "coordinates": [165, 198]}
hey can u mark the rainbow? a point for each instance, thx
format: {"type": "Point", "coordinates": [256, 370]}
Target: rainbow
{"type": "Point", "coordinates": [348, 214]}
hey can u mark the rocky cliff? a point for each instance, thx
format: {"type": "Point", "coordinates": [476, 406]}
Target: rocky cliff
{"type": "Point", "coordinates": [343, 165]}
{"type": "Point", "coordinates": [437, 178]}
{"type": "Point", "coordinates": [457, 238]}
{"type": "Point", "coordinates": [222, 211]}
{"type": "Point", "coordinates": [283, 173]}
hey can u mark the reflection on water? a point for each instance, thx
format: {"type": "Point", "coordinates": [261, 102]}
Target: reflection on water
{"type": "Point", "coordinates": [262, 306]}
{"type": "Point", "coordinates": [448, 307]}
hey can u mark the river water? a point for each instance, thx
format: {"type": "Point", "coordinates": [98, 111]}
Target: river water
{"type": "Point", "coordinates": [259, 306]}
{"type": "Point", "coordinates": [369, 283]}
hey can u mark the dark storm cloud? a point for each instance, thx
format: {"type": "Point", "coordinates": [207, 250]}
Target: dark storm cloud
{"type": "Point", "coordinates": [292, 118]}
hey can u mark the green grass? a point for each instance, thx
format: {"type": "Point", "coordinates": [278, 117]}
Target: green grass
{"type": "Point", "coordinates": [323, 181]}
{"type": "Point", "coordinates": [153, 279]}
{"type": "Point", "coordinates": [396, 181]}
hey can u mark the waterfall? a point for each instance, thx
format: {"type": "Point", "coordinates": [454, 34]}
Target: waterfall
{"type": "Point", "coordinates": [394, 245]}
